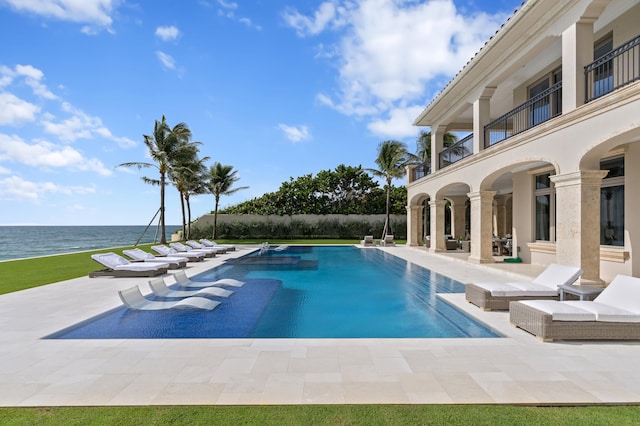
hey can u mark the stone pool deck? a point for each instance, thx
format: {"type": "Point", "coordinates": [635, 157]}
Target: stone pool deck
{"type": "Point", "coordinates": [516, 369]}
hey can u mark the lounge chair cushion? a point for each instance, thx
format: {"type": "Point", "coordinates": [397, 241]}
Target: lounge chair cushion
{"type": "Point", "coordinates": [555, 275]}
{"type": "Point", "coordinates": [623, 292]}
{"type": "Point", "coordinates": [561, 311]}
{"type": "Point", "coordinates": [606, 313]}
{"type": "Point", "coordinates": [119, 263]}
{"type": "Point", "coordinates": [517, 289]}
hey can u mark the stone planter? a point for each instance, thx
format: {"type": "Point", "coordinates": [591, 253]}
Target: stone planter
{"type": "Point", "coordinates": [465, 246]}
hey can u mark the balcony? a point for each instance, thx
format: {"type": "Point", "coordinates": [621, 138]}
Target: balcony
{"type": "Point", "coordinates": [456, 152]}
{"type": "Point", "coordinates": [535, 111]}
{"type": "Point", "coordinates": [420, 171]}
{"type": "Point", "coordinates": [614, 70]}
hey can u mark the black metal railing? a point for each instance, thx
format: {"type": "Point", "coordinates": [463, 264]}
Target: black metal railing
{"type": "Point", "coordinates": [614, 70]}
{"type": "Point", "coordinates": [421, 170]}
{"type": "Point", "coordinates": [456, 152]}
{"type": "Point", "coordinates": [535, 111]}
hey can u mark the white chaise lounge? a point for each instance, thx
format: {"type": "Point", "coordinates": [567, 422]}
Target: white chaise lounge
{"type": "Point", "coordinates": [613, 315]}
{"type": "Point", "coordinates": [160, 288]}
{"type": "Point", "coordinates": [140, 255]}
{"type": "Point", "coordinates": [496, 296]}
{"type": "Point", "coordinates": [181, 248]}
{"type": "Point", "coordinates": [118, 266]}
{"type": "Point", "coordinates": [388, 241]}
{"type": "Point", "coordinates": [133, 299]}
{"type": "Point", "coordinates": [209, 243]}
{"type": "Point", "coordinates": [368, 241]}
{"type": "Point", "coordinates": [197, 246]}
{"type": "Point", "coordinates": [168, 251]}
{"type": "Point", "coordinates": [184, 281]}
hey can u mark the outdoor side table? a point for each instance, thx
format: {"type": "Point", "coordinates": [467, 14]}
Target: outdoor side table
{"type": "Point", "coordinates": [584, 292]}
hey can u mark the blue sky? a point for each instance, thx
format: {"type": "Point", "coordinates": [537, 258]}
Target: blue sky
{"type": "Point", "coordinates": [275, 88]}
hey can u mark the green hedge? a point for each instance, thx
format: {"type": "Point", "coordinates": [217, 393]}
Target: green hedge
{"type": "Point", "coordinates": [322, 229]}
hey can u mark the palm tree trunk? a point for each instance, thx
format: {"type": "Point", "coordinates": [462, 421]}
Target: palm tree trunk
{"type": "Point", "coordinates": [387, 224]}
{"type": "Point", "coordinates": [163, 235]}
{"type": "Point", "coordinates": [186, 197]}
{"type": "Point", "coordinates": [184, 220]}
{"type": "Point", "coordinates": [215, 217]}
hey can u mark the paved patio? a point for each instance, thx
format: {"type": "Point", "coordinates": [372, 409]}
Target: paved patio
{"type": "Point", "coordinates": [514, 369]}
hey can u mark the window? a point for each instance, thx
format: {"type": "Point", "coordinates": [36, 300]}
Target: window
{"type": "Point", "coordinates": [603, 73]}
{"type": "Point", "coordinates": [612, 202]}
{"type": "Point", "coordinates": [544, 208]}
{"type": "Point", "coordinates": [545, 104]}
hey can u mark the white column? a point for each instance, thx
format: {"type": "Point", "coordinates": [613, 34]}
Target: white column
{"type": "Point", "coordinates": [437, 225]}
{"type": "Point", "coordinates": [578, 221]}
{"type": "Point", "coordinates": [414, 225]}
{"type": "Point", "coordinates": [577, 51]}
{"type": "Point", "coordinates": [437, 142]}
{"type": "Point", "coordinates": [481, 117]}
{"type": "Point", "coordinates": [458, 208]}
{"type": "Point", "coordinates": [481, 224]}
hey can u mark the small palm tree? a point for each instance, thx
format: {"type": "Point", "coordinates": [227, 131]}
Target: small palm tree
{"type": "Point", "coordinates": [424, 145]}
{"type": "Point", "coordinates": [186, 174]}
{"type": "Point", "coordinates": [166, 145]}
{"type": "Point", "coordinates": [392, 159]}
{"type": "Point", "coordinates": [221, 179]}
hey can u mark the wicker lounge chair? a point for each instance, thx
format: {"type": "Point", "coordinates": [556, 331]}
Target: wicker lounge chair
{"type": "Point", "coordinates": [184, 281]}
{"type": "Point", "coordinates": [613, 315]}
{"type": "Point", "coordinates": [139, 255]}
{"type": "Point", "coordinates": [209, 243]}
{"type": "Point", "coordinates": [171, 252]}
{"type": "Point", "coordinates": [388, 241]}
{"type": "Point", "coordinates": [496, 296]}
{"type": "Point", "coordinates": [368, 241]}
{"type": "Point", "coordinates": [118, 266]}
{"type": "Point", "coordinates": [133, 299]}
{"type": "Point", "coordinates": [181, 248]}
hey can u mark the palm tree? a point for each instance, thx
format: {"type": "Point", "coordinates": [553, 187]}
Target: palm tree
{"type": "Point", "coordinates": [184, 174]}
{"type": "Point", "coordinates": [166, 145]}
{"type": "Point", "coordinates": [424, 145]}
{"type": "Point", "coordinates": [221, 179]}
{"type": "Point", "coordinates": [392, 158]}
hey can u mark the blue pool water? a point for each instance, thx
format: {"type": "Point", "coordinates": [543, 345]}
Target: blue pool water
{"type": "Point", "coordinates": [306, 292]}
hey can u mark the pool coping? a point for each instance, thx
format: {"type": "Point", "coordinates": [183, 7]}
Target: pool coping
{"type": "Point", "coordinates": [516, 369]}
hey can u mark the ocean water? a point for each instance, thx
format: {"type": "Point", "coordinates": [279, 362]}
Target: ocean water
{"type": "Point", "coordinates": [20, 242]}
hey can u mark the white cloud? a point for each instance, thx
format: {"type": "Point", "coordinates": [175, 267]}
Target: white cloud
{"type": "Point", "coordinates": [228, 9]}
{"type": "Point", "coordinates": [228, 4]}
{"type": "Point", "coordinates": [329, 14]}
{"type": "Point", "coordinates": [295, 134]}
{"type": "Point", "coordinates": [80, 126]}
{"type": "Point", "coordinates": [15, 111]}
{"type": "Point", "coordinates": [16, 188]}
{"type": "Point", "coordinates": [4, 171]}
{"type": "Point", "coordinates": [397, 124]}
{"type": "Point", "coordinates": [389, 52]}
{"type": "Point", "coordinates": [166, 59]}
{"type": "Point", "coordinates": [32, 77]}
{"type": "Point", "coordinates": [167, 33]}
{"type": "Point", "coordinates": [94, 13]}
{"type": "Point", "coordinates": [43, 154]}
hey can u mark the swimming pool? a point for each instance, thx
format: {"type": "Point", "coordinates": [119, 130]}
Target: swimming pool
{"type": "Point", "coordinates": [306, 292]}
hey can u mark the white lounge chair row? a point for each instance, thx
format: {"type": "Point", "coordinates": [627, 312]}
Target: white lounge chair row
{"type": "Point", "coordinates": [387, 241]}
{"type": "Point", "coordinates": [191, 299]}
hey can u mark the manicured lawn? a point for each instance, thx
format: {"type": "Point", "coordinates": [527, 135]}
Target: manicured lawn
{"type": "Point", "coordinates": [23, 274]}
{"type": "Point", "coordinates": [324, 415]}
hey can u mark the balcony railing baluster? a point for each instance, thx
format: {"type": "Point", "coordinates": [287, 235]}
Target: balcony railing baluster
{"type": "Point", "coordinates": [456, 152]}
{"type": "Point", "coordinates": [614, 70]}
{"type": "Point", "coordinates": [536, 110]}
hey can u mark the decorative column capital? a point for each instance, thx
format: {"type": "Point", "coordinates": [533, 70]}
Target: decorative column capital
{"type": "Point", "coordinates": [582, 178]}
